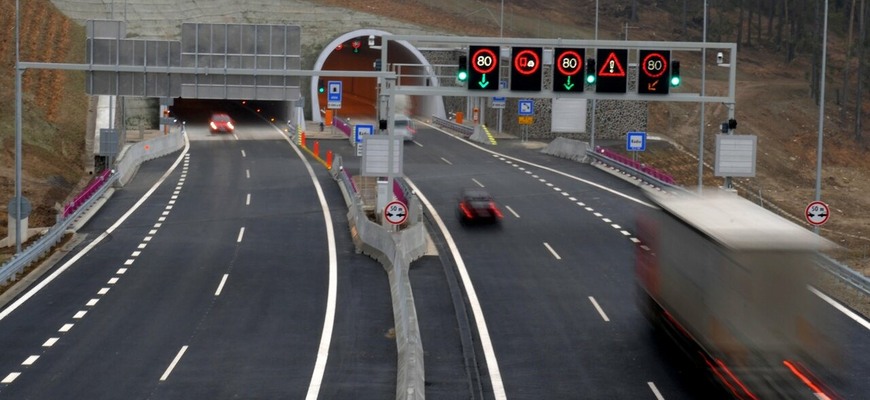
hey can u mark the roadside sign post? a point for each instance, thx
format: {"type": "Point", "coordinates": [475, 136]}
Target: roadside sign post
{"type": "Point", "coordinates": [634, 142]}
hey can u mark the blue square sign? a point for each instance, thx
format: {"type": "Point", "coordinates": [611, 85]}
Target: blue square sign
{"type": "Point", "coordinates": [362, 130]}
{"type": "Point", "coordinates": [526, 107]}
{"type": "Point", "coordinates": [635, 141]}
{"type": "Point", "coordinates": [334, 93]}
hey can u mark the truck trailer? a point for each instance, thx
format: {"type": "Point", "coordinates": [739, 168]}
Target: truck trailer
{"type": "Point", "coordinates": [729, 281]}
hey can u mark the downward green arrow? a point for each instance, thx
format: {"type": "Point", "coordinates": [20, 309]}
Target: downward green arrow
{"type": "Point", "coordinates": [483, 83]}
{"type": "Point", "coordinates": [568, 85]}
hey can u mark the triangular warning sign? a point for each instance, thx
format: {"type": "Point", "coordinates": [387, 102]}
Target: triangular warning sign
{"type": "Point", "coordinates": [611, 66]}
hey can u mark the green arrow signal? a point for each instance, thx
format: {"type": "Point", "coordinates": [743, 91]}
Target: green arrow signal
{"type": "Point", "coordinates": [483, 83]}
{"type": "Point", "coordinates": [568, 85]}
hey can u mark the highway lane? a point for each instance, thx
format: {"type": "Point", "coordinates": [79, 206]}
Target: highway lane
{"type": "Point", "coordinates": [215, 287]}
{"type": "Point", "coordinates": [550, 278]}
{"type": "Point", "coordinates": [556, 280]}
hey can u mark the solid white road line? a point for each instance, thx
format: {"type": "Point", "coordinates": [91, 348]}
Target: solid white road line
{"type": "Point", "coordinates": [221, 285]}
{"type": "Point", "coordinates": [843, 309]}
{"type": "Point", "coordinates": [655, 391]}
{"type": "Point", "coordinates": [483, 332]}
{"type": "Point", "coordinates": [332, 291]}
{"type": "Point", "coordinates": [553, 252]}
{"type": "Point", "coordinates": [600, 310]}
{"type": "Point", "coordinates": [173, 363]}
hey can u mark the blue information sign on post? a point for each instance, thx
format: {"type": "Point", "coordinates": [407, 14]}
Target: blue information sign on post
{"type": "Point", "coordinates": [333, 94]}
{"type": "Point", "coordinates": [361, 130]}
{"type": "Point", "coordinates": [526, 107]}
{"type": "Point", "coordinates": [635, 141]}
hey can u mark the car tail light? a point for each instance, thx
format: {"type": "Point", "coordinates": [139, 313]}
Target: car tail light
{"type": "Point", "coordinates": [465, 210]}
{"type": "Point", "coordinates": [495, 209]}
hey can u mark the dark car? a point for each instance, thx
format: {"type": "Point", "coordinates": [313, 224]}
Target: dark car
{"type": "Point", "coordinates": [220, 122]}
{"type": "Point", "coordinates": [477, 205]}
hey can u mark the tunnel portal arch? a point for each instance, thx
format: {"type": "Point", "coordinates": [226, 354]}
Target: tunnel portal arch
{"type": "Point", "coordinates": [422, 105]}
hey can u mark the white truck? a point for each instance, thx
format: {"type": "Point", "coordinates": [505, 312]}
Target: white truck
{"type": "Point", "coordinates": [728, 280]}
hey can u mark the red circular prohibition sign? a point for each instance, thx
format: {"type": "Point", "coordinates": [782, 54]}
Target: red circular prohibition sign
{"type": "Point", "coordinates": [563, 57]}
{"type": "Point", "coordinates": [483, 69]}
{"type": "Point", "coordinates": [645, 65]}
{"type": "Point", "coordinates": [525, 69]}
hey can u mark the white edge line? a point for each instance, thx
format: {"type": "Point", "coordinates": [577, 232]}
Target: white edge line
{"type": "Point", "coordinates": [600, 310]}
{"type": "Point", "coordinates": [655, 390]}
{"type": "Point", "coordinates": [477, 311]}
{"type": "Point", "coordinates": [221, 285]}
{"type": "Point", "coordinates": [173, 363]}
{"type": "Point", "coordinates": [43, 283]}
{"type": "Point", "coordinates": [841, 308]}
{"type": "Point", "coordinates": [332, 294]}
{"type": "Point", "coordinates": [588, 182]}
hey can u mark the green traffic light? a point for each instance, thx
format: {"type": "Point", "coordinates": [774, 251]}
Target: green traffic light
{"type": "Point", "coordinates": [675, 81]}
{"type": "Point", "coordinates": [590, 79]}
{"type": "Point", "coordinates": [462, 76]}
{"type": "Point", "coordinates": [321, 89]}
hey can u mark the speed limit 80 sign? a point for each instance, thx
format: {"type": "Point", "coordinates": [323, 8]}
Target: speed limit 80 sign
{"type": "Point", "coordinates": [483, 67]}
{"type": "Point", "coordinates": [568, 74]}
{"type": "Point", "coordinates": [654, 71]}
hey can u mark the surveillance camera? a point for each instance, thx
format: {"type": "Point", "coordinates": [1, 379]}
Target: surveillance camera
{"type": "Point", "coordinates": [720, 58]}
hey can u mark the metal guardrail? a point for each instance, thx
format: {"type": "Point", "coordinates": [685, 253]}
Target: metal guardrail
{"type": "Point", "coordinates": [124, 169]}
{"type": "Point", "coordinates": [834, 267]}
{"type": "Point", "coordinates": [449, 124]}
{"type": "Point", "coordinates": [34, 252]}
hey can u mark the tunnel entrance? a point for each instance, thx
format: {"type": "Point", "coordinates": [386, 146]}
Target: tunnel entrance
{"type": "Point", "coordinates": [355, 52]}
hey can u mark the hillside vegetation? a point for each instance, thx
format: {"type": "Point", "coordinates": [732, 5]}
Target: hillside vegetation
{"type": "Point", "coordinates": [54, 109]}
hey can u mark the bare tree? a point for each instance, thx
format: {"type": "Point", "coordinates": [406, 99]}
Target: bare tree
{"type": "Point", "coordinates": [859, 87]}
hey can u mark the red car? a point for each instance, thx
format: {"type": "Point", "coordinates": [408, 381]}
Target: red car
{"type": "Point", "coordinates": [220, 123]}
{"type": "Point", "coordinates": [476, 205]}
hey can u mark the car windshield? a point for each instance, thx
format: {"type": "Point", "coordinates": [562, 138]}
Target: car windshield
{"type": "Point", "coordinates": [477, 196]}
{"type": "Point", "coordinates": [401, 123]}
{"type": "Point", "coordinates": [220, 118]}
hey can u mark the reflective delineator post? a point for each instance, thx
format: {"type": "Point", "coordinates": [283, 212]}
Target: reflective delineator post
{"type": "Point", "coordinates": [316, 149]}
{"type": "Point", "coordinates": [302, 139]}
{"type": "Point", "coordinates": [329, 159]}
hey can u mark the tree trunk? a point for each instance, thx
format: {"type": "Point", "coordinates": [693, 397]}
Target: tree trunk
{"type": "Point", "coordinates": [685, 22]}
{"type": "Point", "coordinates": [843, 97]}
{"type": "Point", "coordinates": [859, 98]}
{"type": "Point", "coordinates": [749, 24]}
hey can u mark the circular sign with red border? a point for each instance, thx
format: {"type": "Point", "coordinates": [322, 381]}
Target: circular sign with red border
{"type": "Point", "coordinates": [396, 212]}
{"type": "Point", "coordinates": [483, 61]}
{"type": "Point", "coordinates": [527, 62]}
{"type": "Point", "coordinates": [817, 213]}
{"type": "Point", "coordinates": [654, 65]}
